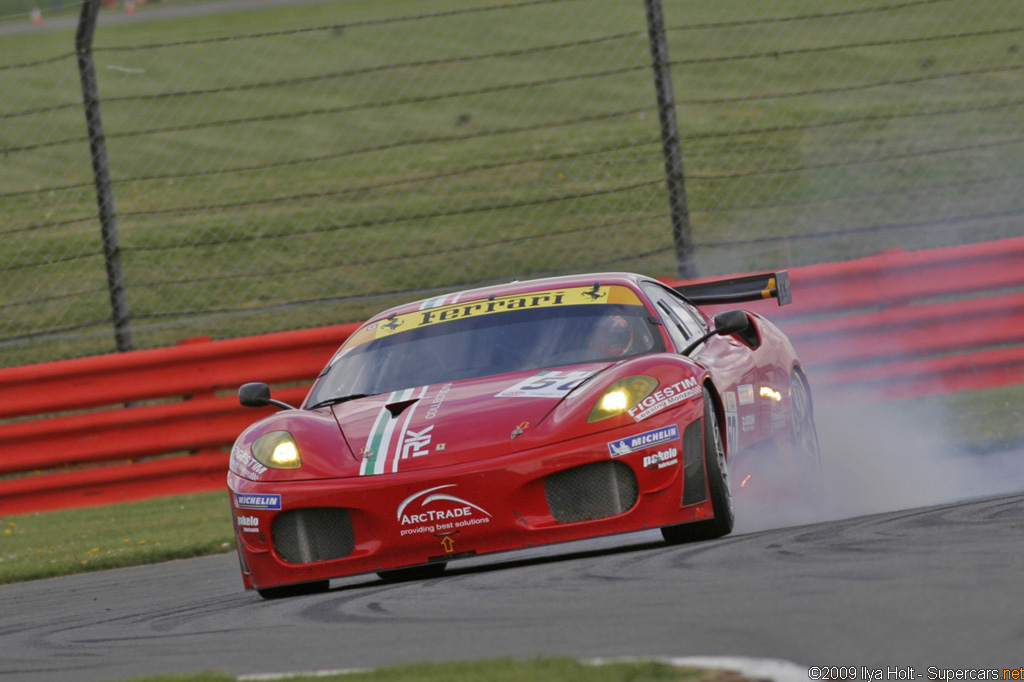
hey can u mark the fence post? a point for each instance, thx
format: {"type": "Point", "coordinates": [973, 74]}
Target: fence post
{"type": "Point", "coordinates": [101, 174]}
{"type": "Point", "coordinates": [686, 264]}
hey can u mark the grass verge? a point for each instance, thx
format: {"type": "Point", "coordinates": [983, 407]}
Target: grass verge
{"type": "Point", "coordinates": [305, 164]}
{"type": "Point", "coordinates": [49, 544]}
{"type": "Point", "coordinates": [553, 669]}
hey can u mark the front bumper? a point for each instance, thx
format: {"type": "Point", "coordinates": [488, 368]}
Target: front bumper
{"type": "Point", "coordinates": [300, 531]}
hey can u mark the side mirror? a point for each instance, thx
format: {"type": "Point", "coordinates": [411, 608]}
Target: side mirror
{"type": "Point", "coordinates": [731, 322]}
{"type": "Point", "coordinates": [257, 394]}
{"type": "Point", "coordinates": [726, 324]}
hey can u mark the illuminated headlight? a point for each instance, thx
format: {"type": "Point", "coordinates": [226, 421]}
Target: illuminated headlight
{"type": "Point", "coordinates": [622, 395]}
{"type": "Point", "coordinates": [277, 450]}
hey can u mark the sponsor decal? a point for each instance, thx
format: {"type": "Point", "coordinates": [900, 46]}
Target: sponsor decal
{"type": "Point", "coordinates": [641, 441]}
{"type": "Point", "coordinates": [662, 459]}
{"type": "Point", "coordinates": [548, 384]}
{"type": "Point", "coordinates": [252, 501]}
{"type": "Point", "coordinates": [731, 418]}
{"type": "Point", "coordinates": [391, 438]}
{"type": "Point", "coordinates": [436, 401]}
{"type": "Point", "coordinates": [433, 511]}
{"type": "Point", "coordinates": [416, 443]}
{"type": "Point", "coordinates": [247, 462]}
{"type": "Point", "coordinates": [664, 398]}
{"type": "Point", "coordinates": [439, 301]}
{"type": "Point", "coordinates": [435, 311]}
{"type": "Point", "coordinates": [746, 394]}
{"type": "Point", "coordinates": [249, 524]}
{"type": "Point", "coordinates": [391, 324]}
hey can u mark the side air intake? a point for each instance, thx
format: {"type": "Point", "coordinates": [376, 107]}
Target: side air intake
{"type": "Point", "coordinates": [305, 536]}
{"type": "Point", "coordinates": [591, 491]}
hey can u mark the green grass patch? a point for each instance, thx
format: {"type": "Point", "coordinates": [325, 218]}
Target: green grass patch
{"type": "Point", "coordinates": [544, 669]}
{"type": "Point", "coordinates": [978, 421]}
{"type": "Point", "coordinates": [48, 544]}
{"type": "Point", "coordinates": [291, 166]}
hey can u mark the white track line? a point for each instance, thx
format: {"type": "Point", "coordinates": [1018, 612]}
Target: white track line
{"type": "Point", "coordinates": [773, 669]}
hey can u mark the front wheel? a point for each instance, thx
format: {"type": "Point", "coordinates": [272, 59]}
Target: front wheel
{"type": "Point", "coordinates": [284, 591]}
{"type": "Point", "coordinates": [717, 471]}
{"type": "Point", "coordinates": [424, 572]}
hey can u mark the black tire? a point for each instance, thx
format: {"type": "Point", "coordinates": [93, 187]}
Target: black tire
{"type": "Point", "coordinates": [805, 453]}
{"type": "Point", "coordinates": [297, 590]}
{"type": "Point", "coordinates": [717, 471]}
{"type": "Point", "coordinates": [401, 575]}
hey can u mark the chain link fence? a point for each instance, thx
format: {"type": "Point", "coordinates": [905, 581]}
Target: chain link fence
{"type": "Point", "coordinates": [286, 165]}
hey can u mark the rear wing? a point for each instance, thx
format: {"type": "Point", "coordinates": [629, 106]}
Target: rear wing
{"type": "Point", "coordinates": [740, 289]}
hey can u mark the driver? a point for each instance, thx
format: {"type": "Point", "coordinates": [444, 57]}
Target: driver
{"type": "Point", "coordinates": [612, 336]}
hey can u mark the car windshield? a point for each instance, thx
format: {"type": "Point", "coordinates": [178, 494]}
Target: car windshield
{"type": "Point", "coordinates": [486, 345]}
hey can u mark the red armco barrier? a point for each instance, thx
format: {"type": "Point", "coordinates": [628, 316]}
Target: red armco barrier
{"type": "Point", "coordinates": [903, 324]}
{"type": "Point", "coordinates": [116, 428]}
{"type": "Point", "coordinates": [156, 422]}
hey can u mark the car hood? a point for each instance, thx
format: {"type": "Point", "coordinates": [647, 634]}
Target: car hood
{"type": "Point", "coordinates": [462, 421]}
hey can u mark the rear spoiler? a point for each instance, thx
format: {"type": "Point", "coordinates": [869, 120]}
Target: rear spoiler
{"type": "Point", "coordinates": [740, 289]}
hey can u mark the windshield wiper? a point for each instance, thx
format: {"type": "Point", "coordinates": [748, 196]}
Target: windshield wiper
{"type": "Point", "coordinates": [341, 399]}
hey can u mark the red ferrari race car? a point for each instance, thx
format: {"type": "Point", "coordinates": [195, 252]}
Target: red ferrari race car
{"type": "Point", "coordinates": [513, 416]}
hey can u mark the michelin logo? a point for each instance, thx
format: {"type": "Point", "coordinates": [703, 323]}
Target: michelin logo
{"type": "Point", "coordinates": [640, 441]}
{"type": "Point", "coordinates": [257, 501]}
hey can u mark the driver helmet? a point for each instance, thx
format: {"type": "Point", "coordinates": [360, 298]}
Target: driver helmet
{"type": "Point", "coordinates": [612, 336]}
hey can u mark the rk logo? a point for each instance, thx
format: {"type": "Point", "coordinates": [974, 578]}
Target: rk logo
{"type": "Point", "coordinates": [416, 443]}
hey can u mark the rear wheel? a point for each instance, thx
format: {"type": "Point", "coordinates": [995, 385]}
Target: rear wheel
{"type": "Point", "coordinates": [806, 454]}
{"type": "Point", "coordinates": [284, 591]}
{"type": "Point", "coordinates": [717, 471]}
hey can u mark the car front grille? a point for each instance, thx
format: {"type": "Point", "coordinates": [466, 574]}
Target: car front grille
{"type": "Point", "coordinates": [304, 536]}
{"type": "Point", "coordinates": [591, 491]}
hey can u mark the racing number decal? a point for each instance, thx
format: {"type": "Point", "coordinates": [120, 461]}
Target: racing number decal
{"type": "Point", "coordinates": [550, 384]}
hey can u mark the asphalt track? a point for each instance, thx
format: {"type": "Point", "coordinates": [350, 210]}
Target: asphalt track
{"type": "Point", "coordinates": [930, 587]}
{"type": "Point", "coordinates": [912, 557]}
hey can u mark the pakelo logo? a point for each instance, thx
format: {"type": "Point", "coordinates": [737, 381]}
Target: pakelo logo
{"type": "Point", "coordinates": [249, 524]}
{"type": "Point", "coordinates": [647, 439]}
{"type": "Point", "coordinates": [435, 511]}
{"type": "Point", "coordinates": [666, 397]}
{"type": "Point", "coordinates": [660, 460]}
{"type": "Point", "coordinates": [257, 501]}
